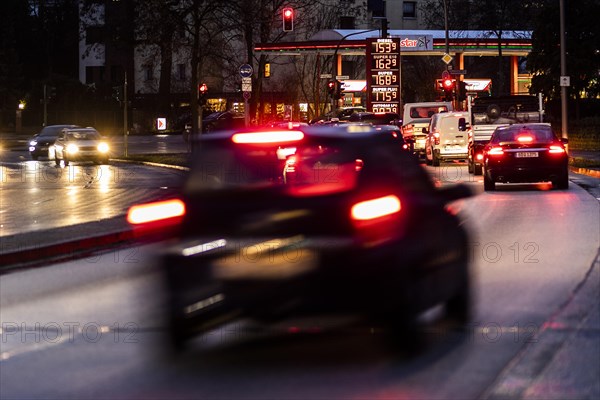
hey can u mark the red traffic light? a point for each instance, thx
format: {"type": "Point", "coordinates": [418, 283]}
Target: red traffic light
{"type": "Point", "coordinates": [331, 86]}
{"type": "Point", "coordinates": [448, 84]}
{"type": "Point", "coordinates": [288, 19]}
{"type": "Point", "coordinates": [202, 88]}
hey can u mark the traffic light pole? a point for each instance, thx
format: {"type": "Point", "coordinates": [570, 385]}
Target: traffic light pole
{"type": "Point", "coordinates": [125, 133]}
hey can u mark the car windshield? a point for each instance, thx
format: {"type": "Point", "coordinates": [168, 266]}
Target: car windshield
{"type": "Point", "coordinates": [83, 135]}
{"type": "Point", "coordinates": [539, 134]}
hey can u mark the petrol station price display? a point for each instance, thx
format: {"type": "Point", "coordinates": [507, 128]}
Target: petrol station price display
{"type": "Point", "coordinates": [383, 74]}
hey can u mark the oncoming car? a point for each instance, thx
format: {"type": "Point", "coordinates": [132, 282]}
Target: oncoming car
{"type": "Point", "coordinates": [344, 236]}
{"type": "Point", "coordinates": [40, 144]}
{"type": "Point", "coordinates": [80, 144]}
{"type": "Point", "coordinates": [525, 153]}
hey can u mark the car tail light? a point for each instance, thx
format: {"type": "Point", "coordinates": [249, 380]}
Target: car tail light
{"type": "Point", "coordinates": [479, 156]}
{"type": "Point", "coordinates": [375, 208]}
{"type": "Point", "coordinates": [358, 164]}
{"type": "Point", "coordinates": [556, 149]}
{"type": "Point", "coordinates": [496, 151]}
{"type": "Point", "coordinates": [436, 137]}
{"type": "Point", "coordinates": [153, 212]}
{"type": "Point", "coordinates": [525, 139]}
{"type": "Point", "coordinates": [267, 137]}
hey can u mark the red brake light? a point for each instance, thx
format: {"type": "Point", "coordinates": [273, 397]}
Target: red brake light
{"type": "Point", "coordinates": [479, 156]}
{"type": "Point", "coordinates": [152, 212]}
{"type": "Point", "coordinates": [555, 149]}
{"type": "Point", "coordinates": [496, 151]}
{"type": "Point", "coordinates": [267, 137]}
{"type": "Point", "coordinates": [375, 208]}
{"type": "Point", "coordinates": [358, 164]}
{"type": "Point", "coordinates": [525, 139]}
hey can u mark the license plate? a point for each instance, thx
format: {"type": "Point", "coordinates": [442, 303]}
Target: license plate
{"type": "Point", "coordinates": [527, 154]}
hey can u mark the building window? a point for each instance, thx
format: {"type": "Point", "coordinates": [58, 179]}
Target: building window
{"type": "Point", "coordinates": [148, 74]}
{"type": "Point", "coordinates": [94, 34]}
{"type": "Point", "coordinates": [409, 9]}
{"type": "Point", "coordinates": [181, 72]}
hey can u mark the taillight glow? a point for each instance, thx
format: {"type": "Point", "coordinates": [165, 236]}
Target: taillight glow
{"type": "Point", "coordinates": [554, 149]}
{"type": "Point", "coordinates": [267, 137]}
{"type": "Point", "coordinates": [358, 164]}
{"type": "Point", "coordinates": [479, 156]}
{"type": "Point", "coordinates": [375, 208]}
{"type": "Point", "coordinates": [525, 139]}
{"type": "Point", "coordinates": [151, 212]}
{"type": "Point", "coordinates": [496, 151]}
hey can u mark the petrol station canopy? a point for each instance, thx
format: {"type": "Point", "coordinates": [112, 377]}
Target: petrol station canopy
{"type": "Point", "coordinates": [348, 42]}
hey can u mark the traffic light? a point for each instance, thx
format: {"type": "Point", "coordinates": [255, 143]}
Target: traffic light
{"type": "Point", "coordinates": [448, 86]}
{"type": "Point", "coordinates": [117, 93]}
{"type": "Point", "coordinates": [339, 91]}
{"type": "Point", "coordinates": [461, 91]}
{"type": "Point", "coordinates": [202, 89]}
{"type": "Point", "coordinates": [331, 87]}
{"type": "Point", "coordinates": [288, 19]}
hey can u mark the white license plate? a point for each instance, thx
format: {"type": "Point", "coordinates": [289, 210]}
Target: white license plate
{"type": "Point", "coordinates": [527, 154]}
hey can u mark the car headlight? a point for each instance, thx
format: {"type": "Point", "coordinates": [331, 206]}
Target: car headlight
{"type": "Point", "coordinates": [33, 143]}
{"type": "Point", "coordinates": [103, 148]}
{"type": "Point", "coordinates": [72, 148]}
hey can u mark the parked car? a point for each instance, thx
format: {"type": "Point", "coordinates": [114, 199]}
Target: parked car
{"type": "Point", "coordinates": [81, 144]}
{"type": "Point", "coordinates": [39, 145]}
{"type": "Point", "coordinates": [363, 230]}
{"type": "Point", "coordinates": [447, 138]}
{"type": "Point", "coordinates": [386, 118]}
{"type": "Point", "coordinates": [525, 153]}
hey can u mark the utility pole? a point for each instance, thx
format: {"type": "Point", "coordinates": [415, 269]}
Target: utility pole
{"type": "Point", "coordinates": [563, 71]}
{"type": "Point", "coordinates": [125, 132]}
{"type": "Point", "coordinates": [45, 104]}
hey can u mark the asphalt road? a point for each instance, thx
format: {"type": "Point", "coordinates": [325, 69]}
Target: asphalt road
{"type": "Point", "coordinates": [94, 328]}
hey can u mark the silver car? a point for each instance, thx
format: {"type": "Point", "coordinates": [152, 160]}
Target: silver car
{"type": "Point", "coordinates": [81, 144]}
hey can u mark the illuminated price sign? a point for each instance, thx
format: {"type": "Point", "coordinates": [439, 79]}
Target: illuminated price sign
{"type": "Point", "coordinates": [383, 72]}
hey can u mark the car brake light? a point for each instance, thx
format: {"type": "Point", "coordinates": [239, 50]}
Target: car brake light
{"type": "Point", "coordinates": [525, 139]}
{"type": "Point", "coordinates": [152, 212]}
{"type": "Point", "coordinates": [375, 208]}
{"type": "Point", "coordinates": [496, 151]}
{"type": "Point", "coordinates": [358, 164]}
{"type": "Point", "coordinates": [554, 149]}
{"type": "Point", "coordinates": [479, 157]}
{"type": "Point", "coordinates": [267, 137]}
{"type": "Point", "coordinates": [436, 136]}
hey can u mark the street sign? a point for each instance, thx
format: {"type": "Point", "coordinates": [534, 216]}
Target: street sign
{"type": "Point", "coordinates": [247, 95]}
{"type": "Point", "coordinates": [342, 77]}
{"type": "Point", "coordinates": [457, 71]}
{"type": "Point", "coordinates": [246, 70]}
{"type": "Point", "coordinates": [447, 58]}
{"type": "Point", "coordinates": [325, 76]}
{"type": "Point", "coordinates": [246, 84]}
{"type": "Point", "coordinates": [565, 81]}
{"type": "Point", "coordinates": [161, 124]}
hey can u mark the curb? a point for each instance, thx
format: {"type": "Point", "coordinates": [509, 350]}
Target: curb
{"type": "Point", "coordinates": [586, 171]}
{"type": "Point", "coordinates": [77, 248]}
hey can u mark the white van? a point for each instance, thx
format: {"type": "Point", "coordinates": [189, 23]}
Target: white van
{"type": "Point", "coordinates": [447, 137]}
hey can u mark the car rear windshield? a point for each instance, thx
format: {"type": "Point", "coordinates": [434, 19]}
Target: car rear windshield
{"type": "Point", "coordinates": [426, 112]}
{"type": "Point", "coordinates": [539, 134]}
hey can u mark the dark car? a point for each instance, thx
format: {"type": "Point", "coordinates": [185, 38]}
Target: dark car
{"type": "Point", "coordinates": [361, 230]}
{"type": "Point", "coordinates": [385, 118]}
{"type": "Point", "coordinates": [40, 144]}
{"type": "Point", "coordinates": [525, 153]}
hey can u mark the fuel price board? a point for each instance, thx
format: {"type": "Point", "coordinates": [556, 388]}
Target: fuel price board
{"type": "Point", "coordinates": [383, 75]}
